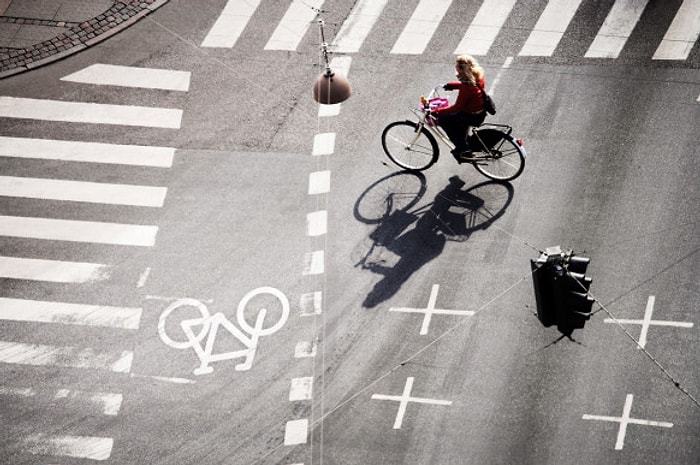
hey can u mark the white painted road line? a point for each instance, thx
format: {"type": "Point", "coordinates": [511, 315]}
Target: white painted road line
{"type": "Point", "coordinates": [311, 304]}
{"type": "Point", "coordinates": [72, 357]}
{"type": "Point", "coordinates": [324, 144]}
{"type": "Point", "coordinates": [314, 263]}
{"type": "Point", "coordinates": [319, 182]}
{"type": "Point", "coordinates": [616, 29]}
{"type": "Point", "coordinates": [647, 321]}
{"type": "Point", "coordinates": [93, 152]}
{"type": "Point", "coordinates": [295, 432]}
{"type": "Point", "coordinates": [78, 231]}
{"type": "Point", "coordinates": [305, 349]}
{"type": "Point", "coordinates": [83, 447]}
{"type": "Point", "coordinates": [293, 26]}
{"type": "Point", "coordinates": [550, 28]}
{"type": "Point", "coordinates": [301, 389]}
{"type": "Point", "coordinates": [405, 398]}
{"type": "Point", "coordinates": [129, 76]}
{"type": "Point", "coordinates": [69, 313]}
{"type": "Point", "coordinates": [317, 223]}
{"type": "Point", "coordinates": [682, 34]}
{"type": "Point", "coordinates": [358, 25]}
{"type": "Point", "coordinates": [95, 113]}
{"type": "Point", "coordinates": [230, 24]}
{"type": "Point", "coordinates": [625, 420]}
{"type": "Point", "coordinates": [52, 270]}
{"type": "Point", "coordinates": [82, 191]}
{"type": "Point", "coordinates": [420, 28]}
{"type": "Point", "coordinates": [431, 310]}
{"type": "Point", "coordinates": [485, 27]}
{"type": "Point", "coordinates": [109, 402]}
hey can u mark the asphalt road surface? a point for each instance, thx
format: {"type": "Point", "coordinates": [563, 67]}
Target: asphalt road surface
{"type": "Point", "coordinates": [145, 228]}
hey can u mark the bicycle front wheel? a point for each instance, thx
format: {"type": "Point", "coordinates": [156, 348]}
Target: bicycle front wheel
{"type": "Point", "coordinates": [409, 146]}
{"type": "Point", "coordinates": [505, 159]}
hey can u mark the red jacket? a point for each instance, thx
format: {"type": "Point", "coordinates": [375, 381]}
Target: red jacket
{"type": "Point", "coordinates": [469, 100]}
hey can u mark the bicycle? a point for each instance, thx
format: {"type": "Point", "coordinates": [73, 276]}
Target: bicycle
{"type": "Point", "coordinates": [413, 145]}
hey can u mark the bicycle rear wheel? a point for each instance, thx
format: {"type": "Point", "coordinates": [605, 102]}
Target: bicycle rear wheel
{"type": "Point", "coordinates": [504, 159]}
{"type": "Point", "coordinates": [409, 147]}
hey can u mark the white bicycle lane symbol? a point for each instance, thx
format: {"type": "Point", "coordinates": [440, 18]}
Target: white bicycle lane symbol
{"type": "Point", "coordinates": [248, 335]}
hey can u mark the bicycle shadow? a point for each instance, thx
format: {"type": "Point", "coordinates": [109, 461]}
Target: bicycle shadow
{"type": "Point", "coordinates": [404, 240]}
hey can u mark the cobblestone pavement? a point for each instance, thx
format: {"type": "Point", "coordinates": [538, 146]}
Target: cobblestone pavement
{"type": "Point", "coordinates": [37, 32]}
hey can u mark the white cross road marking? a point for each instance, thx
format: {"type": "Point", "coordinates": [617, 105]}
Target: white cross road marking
{"type": "Point", "coordinates": [682, 34]}
{"type": "Point", "coordinates": [230, 24]}
{"type": "Point", "coordinates": [92, 152]}
{"type": "Point", "coordinates": [431, 310]}
{"type": "Point", "coordinates": [550, 28]}
{"type": "Point", "coordinates": [87, 112]}
{"type": "Point", "coordinates": [625, 420]}
{"type": "Point", "coordinates": [647, 321]}
{"type": "Point", "coordinates": [293, 26]}
{"type": "Point", "coordinates": [420, 28]}
{"type": "Point", "coordinates": [129, 76]}
{"type": "Point", "coordinates": [485, 27]}
{"type": "Point", "coordinates": [616, 29]}
{"type": "Point", "coordinates": [405, 398]}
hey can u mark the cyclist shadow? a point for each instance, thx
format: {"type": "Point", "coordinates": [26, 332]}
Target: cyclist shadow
{"type": "Point", "coordinates": [404, 240]}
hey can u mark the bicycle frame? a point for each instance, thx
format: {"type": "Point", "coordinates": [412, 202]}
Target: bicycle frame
{"type": "Point", "coordinates": [436, 131]}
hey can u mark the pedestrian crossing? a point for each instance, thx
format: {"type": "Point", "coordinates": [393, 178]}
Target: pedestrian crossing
{"type": "Point", "coordinates": [493, 22]}
{"type": "Point", "coordinates": [46, 316]}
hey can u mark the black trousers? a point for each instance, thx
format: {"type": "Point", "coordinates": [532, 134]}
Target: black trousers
{"type": "Point", "coordinates": [455, 126]}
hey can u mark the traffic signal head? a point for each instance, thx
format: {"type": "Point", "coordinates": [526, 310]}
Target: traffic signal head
{"type": "Point", "coordinates": [561, 289]}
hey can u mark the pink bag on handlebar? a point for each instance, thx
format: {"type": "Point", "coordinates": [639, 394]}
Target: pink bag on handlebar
{"type": "Point", "coordinates": [438, 102]}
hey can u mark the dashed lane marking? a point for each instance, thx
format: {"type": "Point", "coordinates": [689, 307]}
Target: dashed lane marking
{"type": "Point", "coordinates": [295, 432]}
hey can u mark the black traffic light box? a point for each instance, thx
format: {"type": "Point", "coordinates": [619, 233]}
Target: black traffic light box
{"type": "Point", "coordinates": [561, 289]}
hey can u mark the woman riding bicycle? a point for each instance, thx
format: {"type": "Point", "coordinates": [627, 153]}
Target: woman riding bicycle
{"type": "Point", "coordinates": [468, 109]}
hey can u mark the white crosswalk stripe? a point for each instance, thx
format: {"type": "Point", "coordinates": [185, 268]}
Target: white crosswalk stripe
{"type": "Point", "coordinates": [129, 76]}
{"type": "Point", "coordinates": [95, 113]}
{"type": "Point", "coordinates": [90, 152]}
{"type": "Point", "coordinates": [47, 316]}
{"type": "Point", "coordinates": [549, 30]}
{"type": "Point", "coordinates": [78, 231]}
{"type": "Point", "coordinates": [55, 271]}
{"type": "Point", "coordinates": [231, 23]}
{"type": "Point", "coordinates": [82, 191]}
{"type": "Point", "coordinates": [616, 29]}
{"type": "Point", "coordinates": [293, 26]}
{"type": "Point", "coordinates": [683, 33]}
{"type": "Point", "coordinates": [421, 27]}
{"type": "Point", "coordinates": [69, 313]}
{"type": "Point", "coordinates": [357, 27]}
{"type": "Point", "coordinates": [487, 25]}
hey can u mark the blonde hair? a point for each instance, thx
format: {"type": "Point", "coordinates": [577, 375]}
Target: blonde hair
{"type": "Point", "coordinates": [468, 69]}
